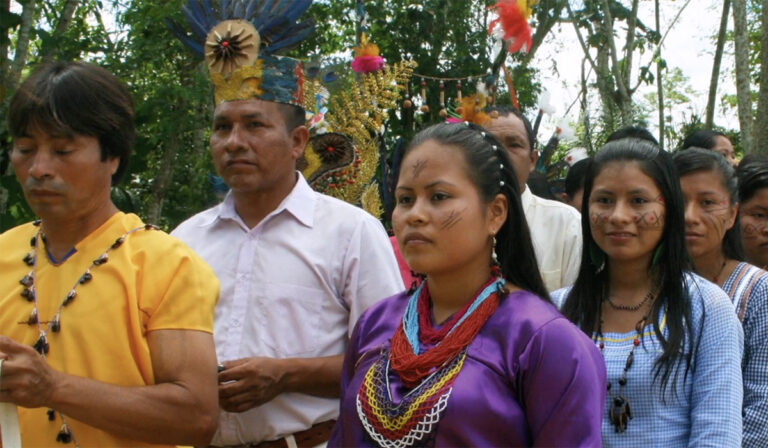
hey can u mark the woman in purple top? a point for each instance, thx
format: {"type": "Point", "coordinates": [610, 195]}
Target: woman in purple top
{"type": "Point", "coordinates": [476, 355]}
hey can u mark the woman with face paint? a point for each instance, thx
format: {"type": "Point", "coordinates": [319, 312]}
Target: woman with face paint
{"type": "Point", "coordinates": [713, 240]}
{"type": "Point", "coordinates": [475, 355]}
{"type": "Point", "coordinates": [753, 212]}
{"type": "Point", "coordinates": [670, 340]}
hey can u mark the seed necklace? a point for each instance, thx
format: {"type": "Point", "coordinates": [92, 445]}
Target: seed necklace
{"type": "Point", "coordinates": [29, 293]}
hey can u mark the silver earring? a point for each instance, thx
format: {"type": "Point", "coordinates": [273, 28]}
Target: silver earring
{"type": "Point", "coordinates": [494, 257]}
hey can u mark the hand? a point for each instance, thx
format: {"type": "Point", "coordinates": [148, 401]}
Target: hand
{"type": "Point", "coordinates": [27, 380]}
{"type": "Point", "coordinates": [250, 382]}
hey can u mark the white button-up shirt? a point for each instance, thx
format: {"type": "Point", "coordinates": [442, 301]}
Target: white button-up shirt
{"type": "Point", "coordinates": [556, 234]}
{"type": "Point", "coordinates": [293, 286]}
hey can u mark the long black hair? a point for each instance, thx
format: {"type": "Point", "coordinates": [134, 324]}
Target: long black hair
{"type": "Point", "coordinates": [488, 166]}
{"type": "Point", "coordinates": [701, 138]}
{"type": "Point", "coordinates": [694, 160]}
{"type": "Point", "coordinates": [583, 304]}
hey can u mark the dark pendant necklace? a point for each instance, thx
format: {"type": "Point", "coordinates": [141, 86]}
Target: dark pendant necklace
{"type": "Point", "coordinates": [619, 410]}
{"type": "Point", "coordinates": [636, 307]}
{"type": "Point", "coordinates": [29, 293]}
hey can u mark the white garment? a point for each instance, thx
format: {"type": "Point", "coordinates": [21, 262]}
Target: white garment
{"type": "Point", "coordinates": [556, 234]}
{"type": "Point", "coordinates": [293, 286]}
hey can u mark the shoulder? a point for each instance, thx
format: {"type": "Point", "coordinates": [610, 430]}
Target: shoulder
{"type": "Point", "coordinates": [16, 243]}
{"type": "Point", "coordinates": [707, 300]}
{"type": "Point", "coordinates": [383, 317]}
{"type": "Point", "coordinates": [339, 211]}
{"type": "Point", "coordinates": [555, 208]}
{"type": "Point", "coordinates": [192, 225]}
{"type": "Point", "coordinates": [559, 296]}
{"type": "Point", "coordinates": [527, 310]}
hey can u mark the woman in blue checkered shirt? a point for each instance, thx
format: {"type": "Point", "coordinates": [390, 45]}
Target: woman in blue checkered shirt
{"type": "Point", "coordinates": [714, 242]}
{"type": "Point", "coordinates": [670, 339]}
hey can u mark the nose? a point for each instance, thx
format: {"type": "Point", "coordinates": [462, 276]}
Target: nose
{"type": "Point", "coordinates": [691, 213]}
{"type": "Point", "coordinates": [236, 140]}
{"type": "Point", "coordinates": [42, 165]}
{"type": "Point", "coordinates": [621, 213]}
{"type": "Point", "coordinates": [416, 213]}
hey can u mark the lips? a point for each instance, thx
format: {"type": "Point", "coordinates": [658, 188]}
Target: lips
{"type": "Point", "coordinates": [41, 193]}
{"type": "Point", "coordinates": [415, 239]}
{"type": "Point", "coordinates": [240, 162]}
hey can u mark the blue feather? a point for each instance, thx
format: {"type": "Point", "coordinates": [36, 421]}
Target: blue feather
{"type": "Point", "coordinates": [239, 8]}
{"type": "Point", "coordinates": [212, 14]}
{"type": "Point", "coordinates": [297, 9]}
{"type": "Point", "coordinates": [250, 9]}
{"type": "Point", "coordinates": [198, 28]}
{"type": "Point", "coordinates": [290, 40]}
{"type": "Point", "coordinates": [224, 9]}
{"type": "Point", "coordinates": [202, 17]}
{"type": "Point", "coordinates": [181, 34]}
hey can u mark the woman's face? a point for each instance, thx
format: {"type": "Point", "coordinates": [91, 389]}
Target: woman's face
{"type": "Point", "coordinates": [754, 228]}
{"type": "Point", "coordinates": [626, 212]}
{"type": "Point", "coordinates": [725, 147]}
{"type": "Point", "coordinates": [441, 223]}
{"type": "Point", "coordinates": [708, 212]}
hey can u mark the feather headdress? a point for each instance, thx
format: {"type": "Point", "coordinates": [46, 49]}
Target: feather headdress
{"type": "Point", "coordinates": [240, 40]}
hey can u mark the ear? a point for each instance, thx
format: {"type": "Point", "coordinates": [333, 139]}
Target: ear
{"type": "Point", "coordinates": [497, 211]}
{"type": "Point", "coordinates": [734, 212]}
{"type": "Point", "coordinates": [299, 139]}
{"type": "Point", "coordinates": [114, 164]}
{"type": "Point", "coordinates": [534, 158]}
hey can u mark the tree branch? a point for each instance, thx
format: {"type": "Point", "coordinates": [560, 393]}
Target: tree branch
{"type": "Point", "coordinates": [22, 47]}
{"type": "Point", "coordinates": [709, 122]}
{"type": "Point", "coordinates": [61, 26]}
{"type": "Point", "coordinates": [583, 44]}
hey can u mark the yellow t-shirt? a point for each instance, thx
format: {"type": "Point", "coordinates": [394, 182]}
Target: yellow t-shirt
{"type": "Point", "coordinates": [152, 282]}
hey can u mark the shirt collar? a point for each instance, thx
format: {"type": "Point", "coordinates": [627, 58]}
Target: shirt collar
{"type": "Point", "coordinates": [300, 203]}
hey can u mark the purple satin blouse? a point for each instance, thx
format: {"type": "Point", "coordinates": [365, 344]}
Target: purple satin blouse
{"type": "Point", "coordinates": [531, 378]}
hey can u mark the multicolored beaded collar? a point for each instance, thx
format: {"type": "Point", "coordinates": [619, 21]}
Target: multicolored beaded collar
{"type": "Point", "coordinates": [429, 373]}
{"type": "Point", "coordinates": [54, 325]}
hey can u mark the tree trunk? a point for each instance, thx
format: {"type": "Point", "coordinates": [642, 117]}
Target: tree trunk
{"type": "Point", "coordinates": [165, 170]}
{"type": "Point", "coordinates": [761, 121]}
{"type": "Point", "coordinates": [5, 41]}
{"type": "Point", "coordinates": [659, 83]}
{"type": "Point", "coordinates": [22, 48]}
{"type": "Point", "coordinates": [742, 73]}
{"type": "Point", "coordinates": [61, 26]}
{"type": "Point", "coordinates": [721, 36]}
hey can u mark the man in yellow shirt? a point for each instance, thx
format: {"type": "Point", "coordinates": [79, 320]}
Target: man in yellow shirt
{"type": "Point", "coordinates": [106, 322]}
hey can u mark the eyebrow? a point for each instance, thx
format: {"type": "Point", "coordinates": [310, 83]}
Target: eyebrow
{"type": "Point", "coordinates": [248, 116]}
{"type": "Point", "coordinates": [428, 186]}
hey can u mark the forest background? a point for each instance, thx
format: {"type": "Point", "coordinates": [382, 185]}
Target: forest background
{"type": "Point", "coordinates": [624, 76]}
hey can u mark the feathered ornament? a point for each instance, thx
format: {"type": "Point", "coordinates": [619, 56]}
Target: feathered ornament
{"type": "Point", "coordinates": [367, 57]}
{"type": "Point", "coordinates": [563, 132]}
{"type": "Point", "coordinates": [513, 19]}
{"type": "Point", "coordinates": [575, 155]}
{"type": "Point", "coordinates": [471, 109]}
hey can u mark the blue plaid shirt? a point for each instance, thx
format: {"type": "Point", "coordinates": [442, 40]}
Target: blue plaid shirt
{"type": "Point", "coordinates": [701, 410]}
{"type": "Point", "coordinates": [748, 288]}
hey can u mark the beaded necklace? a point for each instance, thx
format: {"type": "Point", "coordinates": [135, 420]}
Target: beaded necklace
{"type": "Point", "coordinates": [430, 375]}
{"type": "Point", "coordinates": [619, 411]}
{"type": "Point", "coordinates": [29, 293]}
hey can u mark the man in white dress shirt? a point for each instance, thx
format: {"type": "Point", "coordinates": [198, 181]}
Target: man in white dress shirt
{"type": "Point", "coordinates": [297, 268]}
{"type": "Point", "coordinates": [555, 227]}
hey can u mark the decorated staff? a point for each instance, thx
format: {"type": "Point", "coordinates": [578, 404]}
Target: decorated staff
{"type": "Point", "coordinates": [297, 267]}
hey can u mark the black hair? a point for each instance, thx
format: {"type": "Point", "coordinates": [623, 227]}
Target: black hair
{"type": "Point", "coordinates": [574, 180]}
{"type": "Point", "coordinates": [632, 132]}
{"type": "Point", "coordinates": [70, 98]}
{"type": "Point", "coordinates": [488, 165]}
{"type": "Point", "coordinates": [701, 138]}
{"type": "Point", "coordinates": [752, 175]}
{"type": "Point", "coordinates": [505, 110]}
{"type": "Point", "coordinates": [294, 116]}
{"type": "Point", "coordinates": [584, 301]}
{"type": "Point", "coordinates": [694, 160]}
{"type": "Point", "coordinates": [539, 185]}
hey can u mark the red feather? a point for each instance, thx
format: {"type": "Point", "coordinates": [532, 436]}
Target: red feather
{"type": "Point", "coordinates": [514, 24]}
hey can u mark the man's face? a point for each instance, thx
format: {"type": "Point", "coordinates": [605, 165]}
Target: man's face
{"type": "Point", "coordinates": [63, 177]}
{"type": "Point", "coordinates": [510, 130]}
{"type": "Point", "coordinates": [252, 149]}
